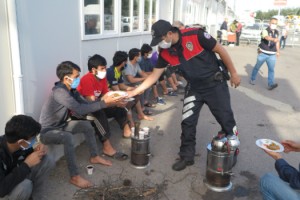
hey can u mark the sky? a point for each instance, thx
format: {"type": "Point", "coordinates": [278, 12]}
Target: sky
{"type": "Point", "coordinates": [263, 5]}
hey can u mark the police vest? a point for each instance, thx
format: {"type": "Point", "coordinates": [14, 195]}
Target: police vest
{"type": "Point", "coordinates": [196, 63]}
{"type": "Point", "coordinates": [269, 45]}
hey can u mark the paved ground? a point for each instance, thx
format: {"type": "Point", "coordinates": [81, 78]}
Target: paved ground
{"type": "Point", "coordinates": [259, 113]}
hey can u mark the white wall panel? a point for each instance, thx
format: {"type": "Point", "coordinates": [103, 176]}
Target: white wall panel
{"type": "Point", "coordinates": [7, 106]}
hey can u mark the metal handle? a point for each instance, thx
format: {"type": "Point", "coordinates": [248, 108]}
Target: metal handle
{"type": "Point", "coordinates": [230, 173]}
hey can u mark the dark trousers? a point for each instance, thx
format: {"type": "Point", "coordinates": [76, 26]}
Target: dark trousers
{"type": "Point", "coordinates": [217, 98]}
{"type": "Point", "coordinates": [282, 41]}
{"type": "Point", "coordinates": [100, 121]}
{"type": "Point", "coordinates": [238, 34]}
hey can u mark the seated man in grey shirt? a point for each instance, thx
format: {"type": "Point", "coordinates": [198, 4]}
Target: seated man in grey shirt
{"type": "Point", "coordinates": [133, 75]}
{"type": "Point", "coordinates": [58, 129]}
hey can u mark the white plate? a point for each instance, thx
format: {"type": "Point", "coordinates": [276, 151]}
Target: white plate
{"type": "Point", "coordinates": [121, 93]}
{"type": "Point", "coordinates": [262, 142]}
{"type": "Point", "coordinates": [129, 99]}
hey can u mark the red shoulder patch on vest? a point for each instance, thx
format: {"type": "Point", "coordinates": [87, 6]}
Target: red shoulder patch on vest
{"type": "Point", "coordinates": [191, 48]}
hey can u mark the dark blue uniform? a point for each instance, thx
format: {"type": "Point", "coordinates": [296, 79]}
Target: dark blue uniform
{"type": "Point", "coordinates": [198, 64]}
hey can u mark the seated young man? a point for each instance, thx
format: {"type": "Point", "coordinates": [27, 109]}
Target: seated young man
{"type": "Point", "coordinates": [23, 169]}
{"type": "Point", "coordinates": [93, 86]}
{"type": "Point", "coordinates": [57, 128]}
{"type": "Point", "coordinates": [116, 82]}
{"type": "Point", "coordinates": [133, 74]}
{"type": "Point", "coordinates": [147, 67]}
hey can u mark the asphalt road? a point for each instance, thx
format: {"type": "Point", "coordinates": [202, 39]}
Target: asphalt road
{"type": "Point", "coordinates": [259, 113]}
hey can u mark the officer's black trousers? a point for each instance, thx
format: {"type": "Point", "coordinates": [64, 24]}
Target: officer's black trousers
{"type": "Point", "coordinates": [217, 99]}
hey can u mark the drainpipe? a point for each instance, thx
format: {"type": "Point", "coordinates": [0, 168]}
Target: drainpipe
{"type": "Point", "coordinates": [15, 57]}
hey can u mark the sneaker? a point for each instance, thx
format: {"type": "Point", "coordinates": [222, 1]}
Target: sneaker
{"type": "Point", "coordinates": [252, 82]}
{"type": "Point", "coordinates": [172, 93]}
{"type": "Point", "coordinates": [170, 89]}
{"type": "Point", "coordinates": [160, 101]}
{"type": "Point", "coordinates": [271, 87]}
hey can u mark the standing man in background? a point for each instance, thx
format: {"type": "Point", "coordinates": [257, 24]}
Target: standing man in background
{"type": "Point", "coordinates": [267, 52]}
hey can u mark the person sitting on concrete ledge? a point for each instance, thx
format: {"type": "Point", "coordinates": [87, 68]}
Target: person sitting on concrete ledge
{"type": "Point", "coordinates": [24, 163]}
{"type": "Point", "coordinates": [93, 86]}
{"type": "Point", "coordinates": [116, 83]}
{"type": "Point", "coordinates": [57, 128]}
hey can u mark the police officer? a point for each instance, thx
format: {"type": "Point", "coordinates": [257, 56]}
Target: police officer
{"type": "Point", "coordinates": [193, 51]}
{"type": "Point", "coordinates": [268, 51]}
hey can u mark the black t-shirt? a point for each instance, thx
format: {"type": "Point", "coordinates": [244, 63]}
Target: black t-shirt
{"type": "Point", "coordinates": [205, 40]}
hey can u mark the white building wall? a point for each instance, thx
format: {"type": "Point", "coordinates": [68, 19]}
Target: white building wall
{"type": "Point", "coordinates": [7, 106]}
{"type": "Point", "coordinates": [49, 33]}
{"type": "Point", "coordinates": [166, 9]}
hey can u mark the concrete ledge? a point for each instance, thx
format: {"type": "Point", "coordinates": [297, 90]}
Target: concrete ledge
{"type": "Point", "coordinates": [57, 151]}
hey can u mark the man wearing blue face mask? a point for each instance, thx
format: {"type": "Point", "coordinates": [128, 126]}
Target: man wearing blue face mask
{"type": "Point", "coordinates": [267, 52]}
{"type": "Point", "coordinates": [22, 168]}
{"type": "Point", "coordinates": [57, 126]}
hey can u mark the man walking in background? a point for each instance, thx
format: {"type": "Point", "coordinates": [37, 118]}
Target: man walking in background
{"type": "Point", "coordinates": [267, 52]}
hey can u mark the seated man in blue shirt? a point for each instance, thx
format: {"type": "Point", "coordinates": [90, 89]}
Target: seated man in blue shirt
{"type": "Point", "coordinates": [287, 185]}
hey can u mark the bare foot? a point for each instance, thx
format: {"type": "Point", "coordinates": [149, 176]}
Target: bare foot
{"type": "Point", "coordinates": [108, 148]}
{"type": "Point", "coordinates": [80, 182]}
{"type": "Point", "coordinates": [127, 131]}
{"type": "Point", "coordinates": [99, 160]}
{"type": "Point", "coordinates": [145, 117]}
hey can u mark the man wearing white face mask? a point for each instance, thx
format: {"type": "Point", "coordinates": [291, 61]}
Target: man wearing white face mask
{"type": "Point", "coordinates": [193, 51]}
{"type": "Point", "coordinates": [93, 86]}
{"type": "Point", "coordinates": [267, 52]}
{"type": "Point", "coordinates": [147, 67]}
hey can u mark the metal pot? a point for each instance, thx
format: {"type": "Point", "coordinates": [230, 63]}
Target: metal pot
{"type": "Point", "coordinates": [219, 143]}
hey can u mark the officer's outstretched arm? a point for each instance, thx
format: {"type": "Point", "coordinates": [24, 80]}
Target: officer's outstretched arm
{"type": "Point", "coordinates": [235, 80]}
{"type": "Point", "coordinates": [148, 82]}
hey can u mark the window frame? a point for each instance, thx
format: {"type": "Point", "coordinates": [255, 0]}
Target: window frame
{"type": "Point", "coordinates": [116, 32]}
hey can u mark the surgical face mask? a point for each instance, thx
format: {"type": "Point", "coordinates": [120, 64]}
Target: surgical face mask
{"type": "Point", "coordinates": [139, 59]}
{"type": "Point", "coordinates": [101, 75]}
{"type": "Point", "coordinates": [30, 144]}
{"type": "Point", "coordinates": [165, 45]}
{"type": "Point", "coordinates": [75, 82]}
{"type": "Point", "coordinates": [273, 26]}
{"type": "Point", "coordinates": [149, 55]}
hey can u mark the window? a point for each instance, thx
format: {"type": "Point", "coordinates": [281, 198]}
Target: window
{"type": "Point", "coordinates": [147, 15]}
{"type": "Point", "coordinates": [91, 14]}
{"type": "Point", "coordinates": [125, 16]}
{"type": "Point", "coordinates": [154, 12]}
{"type": "Point", "coordinates": [150, 15]}
{"type": "Point", "coordinates": [109, 13]}
{"type": "Point", "coordinates": [110, 18]}
{"type": "Point", "coordinates": [136, 15]}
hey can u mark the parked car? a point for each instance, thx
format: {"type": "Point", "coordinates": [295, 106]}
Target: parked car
{"type": "Point", "coordinates": [253, 32]}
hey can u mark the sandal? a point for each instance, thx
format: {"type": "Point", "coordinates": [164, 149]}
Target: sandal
{"type": "Point", "coordinates": [149, 105]}
{"type": "Point", "coordinates": [147, 112]}
{"type": "Point", "coordinates": [118, 156]}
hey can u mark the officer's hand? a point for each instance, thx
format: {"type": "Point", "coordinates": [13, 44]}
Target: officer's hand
{"type": "Point", "coordinates": [235, 80]}
{"type": "Point", "coordinates": [33, 159]}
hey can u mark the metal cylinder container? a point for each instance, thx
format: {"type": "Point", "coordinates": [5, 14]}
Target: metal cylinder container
{"type": "Point", "coordinates": [140, 152]}
{"type": "Point", "coordinates": [221, 157]}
